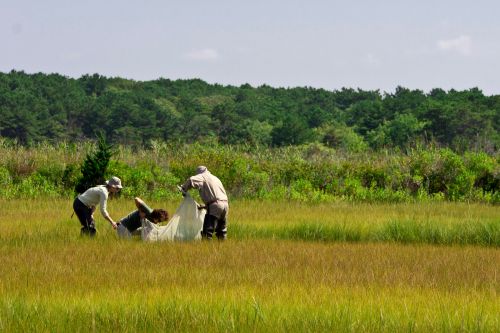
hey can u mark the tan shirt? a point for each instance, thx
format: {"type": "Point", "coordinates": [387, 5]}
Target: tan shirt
{"type": "Point", "coordinates": [94, 196]}
{"type": "Point", "coordinates": [212, 192]}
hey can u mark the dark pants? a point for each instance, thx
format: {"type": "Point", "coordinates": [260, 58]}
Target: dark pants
{"type": "Point", "coordinates": [212, 223]}
{"type": "Point", "coordinates": [84, 214]}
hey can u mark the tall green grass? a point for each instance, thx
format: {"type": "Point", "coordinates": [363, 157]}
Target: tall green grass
{"type": "Point", "coordinates": [410, 231]}
{"type": "Point", "coordinates": [425, 223]}
{"type": "Point", "coordinates": [337, 311]}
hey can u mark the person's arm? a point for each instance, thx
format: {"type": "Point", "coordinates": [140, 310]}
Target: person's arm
{"type": "Point", "coordinates": [139, 203]}
{"type": "Point", "coordinates": [193, 182]}
{"type": "Point", "coordinates": [142, 207]}
{"type": "Point", "coordinates": [104, 211]}
{"type": "Point", "coordinates": [110, 220]}
{"type": "Point", "coordinates": [186, 186]}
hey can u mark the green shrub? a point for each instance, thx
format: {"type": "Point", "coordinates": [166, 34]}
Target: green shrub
{"type": "Point", "coordinates": [95, 165]}
{"type": "Point", "coordinates": [485, 171]}
{"type": "Point", "coordinates": [70, 176]}
{"type": "Point", "coordinates": [5, 178]}
{"type": "Point", "coordinates": [306, 173]}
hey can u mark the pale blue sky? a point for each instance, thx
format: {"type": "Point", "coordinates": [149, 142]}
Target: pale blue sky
{"type": "Point", "coordinates": [328, 44]}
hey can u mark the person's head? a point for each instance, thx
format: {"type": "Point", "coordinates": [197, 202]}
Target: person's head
{"type": "Point", "coordinates": [114, 184]}
{"type": "Point", "coordinates": [201, 169]}
{"type": "Point", "coordinates": [159, 215]}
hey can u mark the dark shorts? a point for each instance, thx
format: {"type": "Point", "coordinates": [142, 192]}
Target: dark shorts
{"type": "Point", "coordinates": [84, 215]}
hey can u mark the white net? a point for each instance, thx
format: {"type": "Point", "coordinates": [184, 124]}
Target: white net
{"type": "Point", "coordinates": [185, 225]}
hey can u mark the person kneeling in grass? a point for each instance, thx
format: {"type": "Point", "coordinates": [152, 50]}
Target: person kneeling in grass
{"type": "Point", "coordinates": [130, 224]}
{"type": "Point", "coordinates": [85, 204]}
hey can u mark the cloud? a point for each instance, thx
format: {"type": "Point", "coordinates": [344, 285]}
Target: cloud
{"type": "Point", "coordinates": [461, 44]}
{"type": "Point", "coordinates": [203, 55]}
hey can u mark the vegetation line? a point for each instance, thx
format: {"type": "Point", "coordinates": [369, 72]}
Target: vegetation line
{"type": "Point", "coordinates": [311, 173]}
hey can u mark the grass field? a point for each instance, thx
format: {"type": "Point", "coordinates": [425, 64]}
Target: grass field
{"type": "Point", "coordinates": [382, 268]}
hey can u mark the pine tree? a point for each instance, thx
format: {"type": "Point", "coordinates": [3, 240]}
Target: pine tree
{"type": "Point", "coordinates": [95, 165]}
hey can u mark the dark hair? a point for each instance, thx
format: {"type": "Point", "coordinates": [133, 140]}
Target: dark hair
{"type": "Point", "coordinates": [159, 214]}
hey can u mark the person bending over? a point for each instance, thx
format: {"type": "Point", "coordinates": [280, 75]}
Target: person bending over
{"type": "Point", "coordinates": [85, 204]}
{"type": "Point", "coordinates": [130, 224]}
{"type": "Point", "coordinates": [214, 196]}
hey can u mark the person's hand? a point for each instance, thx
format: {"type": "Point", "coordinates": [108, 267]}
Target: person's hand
{"type": "Point", "coordinates": [114, 225]}
{"type": "Point", "coordinates": [181, 190]}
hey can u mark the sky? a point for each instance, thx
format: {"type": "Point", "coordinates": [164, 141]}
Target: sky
{"type": "Point", "coordinates": [316, 43]}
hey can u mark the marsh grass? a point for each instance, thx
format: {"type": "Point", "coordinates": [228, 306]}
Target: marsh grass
{"type": "Point", "coordinates": [465, 233]}
{"type": "Point", "coordinates": [426, 223]}
{"type": "Point", "coordinates": [343, 311]}
{"type": "Point", "coordinates": [259, 285]}
{"type": "Point", "coordinates": [53, 280]}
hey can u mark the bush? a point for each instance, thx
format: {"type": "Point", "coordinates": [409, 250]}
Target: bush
{"type": "Point", "coordinates": [94, 167]}
{"type": "Point", "coordinates": [145, 180]}
{"type": "Point", "coordinates": [5, 178]}
{"type": "Point", "coordinates": [305, 173]}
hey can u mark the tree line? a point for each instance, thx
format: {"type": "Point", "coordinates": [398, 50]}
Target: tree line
{"type": "Point", "coordinates": [54, 108]}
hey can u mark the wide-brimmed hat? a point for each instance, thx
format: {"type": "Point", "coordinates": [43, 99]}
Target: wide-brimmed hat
{"type": "Point", "coordinates": [201, 169]}
{"type": "Point", "coordinates": [114, 182]}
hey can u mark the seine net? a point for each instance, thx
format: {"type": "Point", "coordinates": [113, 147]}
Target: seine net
{"type": "Point", "coordinates": [185, 224]}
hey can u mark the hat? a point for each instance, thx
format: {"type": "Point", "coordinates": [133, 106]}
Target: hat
{"type": "Point", "coordinates": [114, 182]}
{"type": "Point", "coordinates": [201, 169]}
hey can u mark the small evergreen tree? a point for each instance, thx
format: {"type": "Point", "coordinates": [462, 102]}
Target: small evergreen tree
{"type": "Point", "coordinates": [95, 165]}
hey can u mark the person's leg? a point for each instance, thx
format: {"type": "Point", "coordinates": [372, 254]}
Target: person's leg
{"type": "Point", "coordinates": [208, 226]}
{"type": "Point", "coordinates": [79, 210]}
{"type": "Point", "coordinates": [92, 229]}
{"type": "Point", "coordinates": [136, 232]}
{"type": "Point", "coordinates": [89, 229]}
{"type": "Point", "coordinates": [84, 215]}
{"type": "Point", "coordinates": [123, 232]}
{"type": "Point", "coordinates": [221, 229]}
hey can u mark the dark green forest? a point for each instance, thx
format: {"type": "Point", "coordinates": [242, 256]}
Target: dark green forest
{"type": "Point", "coordinates": [54, 108]}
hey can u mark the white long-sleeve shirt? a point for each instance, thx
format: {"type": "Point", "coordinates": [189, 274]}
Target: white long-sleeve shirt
{"type": "Point", "coordinates": [94, 196]}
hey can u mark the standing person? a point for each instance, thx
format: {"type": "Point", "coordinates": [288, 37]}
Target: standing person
{"type": "Point", "coordinates": [133, 221]}
{"type": "Point", "coordinates": [85, 204]}
{"type": "Point", "coordinates": [214, 196]}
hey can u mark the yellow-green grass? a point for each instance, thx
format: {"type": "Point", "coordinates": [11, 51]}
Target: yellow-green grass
{"type": "Point", "coordinates": [433, 223]}
{"type": "Point", "coordinates": [53, 280]}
